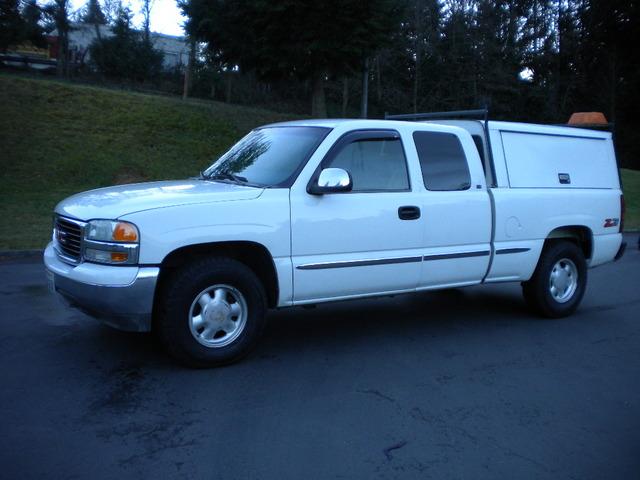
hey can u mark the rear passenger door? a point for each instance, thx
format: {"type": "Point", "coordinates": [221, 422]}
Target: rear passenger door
{"type": "Point", "coordinates": [456, 210]}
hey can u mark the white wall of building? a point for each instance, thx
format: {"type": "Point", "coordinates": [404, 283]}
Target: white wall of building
{"type": "Point", "coordinates": [174, 49]}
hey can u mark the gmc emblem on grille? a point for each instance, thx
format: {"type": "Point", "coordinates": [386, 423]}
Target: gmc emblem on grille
{"type": "Point", "coordinates": [61, 236]}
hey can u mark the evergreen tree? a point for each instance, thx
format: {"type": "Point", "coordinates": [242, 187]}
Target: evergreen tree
{"type": "Point", "coordinates": [11, 24]}
{"type": "Point", "coordinates": [33, 30]}
{"type": "Point", "coordinates": [58, 13]}
{"type": "Point", "coordinates": [93, 13]}
{"type": "Point", "coordinates": [126, 55]}
{"type": "Point", "coordinates": [294, 39]}
{"type": "Point", "coordinates": [576, 55]}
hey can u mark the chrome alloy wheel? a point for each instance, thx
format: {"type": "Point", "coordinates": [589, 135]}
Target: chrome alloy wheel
{"type": "Point", "coordinates": [218, 316]}
{"type": "Point", "coordinates": [563, 281]}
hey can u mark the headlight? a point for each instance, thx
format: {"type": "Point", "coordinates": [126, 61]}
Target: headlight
{"type": "Point", "coordinates": [111, 242]}
{"type": "Point", "coordinates": [110, 231]}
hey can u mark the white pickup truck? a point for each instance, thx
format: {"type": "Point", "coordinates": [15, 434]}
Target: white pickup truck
{"type": "Point", "coordinates": [314, 211]}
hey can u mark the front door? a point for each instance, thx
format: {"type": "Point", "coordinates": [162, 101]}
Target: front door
{"type": "Point", "coordinates": [363, 242]}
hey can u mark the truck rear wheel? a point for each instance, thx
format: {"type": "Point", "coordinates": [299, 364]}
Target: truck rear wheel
{"type": "Point", "coordinates": [559, 281]}
{"type": "Point", "coordinates": [211, 312]}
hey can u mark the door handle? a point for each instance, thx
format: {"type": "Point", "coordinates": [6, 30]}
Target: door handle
{"type": "Point", "coordinates": [409, 213]}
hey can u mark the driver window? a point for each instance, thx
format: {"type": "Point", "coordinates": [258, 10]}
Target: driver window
{"type": "Point", "coordinates": [376, 164]}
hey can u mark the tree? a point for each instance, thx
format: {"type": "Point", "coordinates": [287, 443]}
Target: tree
{"type": "Point", "coordinates": [58, 13]}
{"type": "Point", "coordinates": [531, 60]}
{"type": "Point", "coordinates": [422, 27]}
{"type": "Point", "coordinates": [11, 24]}
{"type": "Point", "coordinates": [609, 60]}
{"type": "Point", "coordinates": [126, 55]}
{"type": "Point", "coordinates": [33, 30]}
{"type": "Point", "coordinates": [93, 14]}
{"type": "Point", "coordinates": [111, 8]}
{"type": "Point", "coordinates": [293, 39]}
{"type": "Point", "coordinates": [146, 18]}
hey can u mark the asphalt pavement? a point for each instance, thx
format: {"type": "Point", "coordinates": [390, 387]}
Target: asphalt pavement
{"type": "Point", "coordinates": [457, 384]}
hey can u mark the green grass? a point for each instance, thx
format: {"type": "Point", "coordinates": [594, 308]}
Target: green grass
{"type": "Point", "coordinates": [58, 138]}
{"type": "Point", "coordinates": [631, 189]}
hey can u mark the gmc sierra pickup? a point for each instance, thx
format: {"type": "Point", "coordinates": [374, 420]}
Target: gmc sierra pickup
{"type": "Point", "coordinates": [323, 210]}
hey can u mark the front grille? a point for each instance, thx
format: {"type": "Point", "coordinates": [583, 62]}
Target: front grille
{"type": "Point", "coordinates": [68, 238]}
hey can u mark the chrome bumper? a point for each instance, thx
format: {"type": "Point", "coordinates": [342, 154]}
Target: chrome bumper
{"type": "Point", "coordinates": [121, 297]}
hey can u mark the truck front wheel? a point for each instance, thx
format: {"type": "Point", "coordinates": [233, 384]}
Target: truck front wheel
{"type": "Point", "coordinates": [559, 281]}
{"type": "Point", "coordinates": [211, 312]}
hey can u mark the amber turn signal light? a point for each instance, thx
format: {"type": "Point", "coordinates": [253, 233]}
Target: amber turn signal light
{"type": "Point", "coordinates": [119, 257]}
{"type": "Point", "coordinates": [125, 232]}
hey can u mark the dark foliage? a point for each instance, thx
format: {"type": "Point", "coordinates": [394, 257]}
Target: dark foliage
{"type": "Point", "coordinates": [292, 40]}
{"type": "Point", "coordinates": [57, 14]}
{"type": "Point", "coordinates": [93, 13]}
{"type": "Point", "coordinates": [528, 60]}
{"type": "Point", "coordinates": [33, 30]}
{"type": "Point", "coordinates": [127, 55]}
{"type": "Point", "coordinates": [11, 23]}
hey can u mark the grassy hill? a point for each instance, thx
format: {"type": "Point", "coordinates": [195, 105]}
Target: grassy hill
{"type": "Point", "coordinates": [58, 138]}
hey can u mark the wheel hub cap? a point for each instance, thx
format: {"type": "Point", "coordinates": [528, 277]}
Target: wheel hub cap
{"type": "Point", "coordinates": [218, 316]}
{"type": "Point", "coordinates": [563, 281]}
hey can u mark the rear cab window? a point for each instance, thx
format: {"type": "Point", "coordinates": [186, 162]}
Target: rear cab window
{"type": "Point", "coordinates": [442, 161]}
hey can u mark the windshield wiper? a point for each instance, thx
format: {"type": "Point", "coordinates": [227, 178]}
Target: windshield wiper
{"type": "Point", "coordinates": [232, 177]}
{"type": "Point", "coordinates": [226, 176]}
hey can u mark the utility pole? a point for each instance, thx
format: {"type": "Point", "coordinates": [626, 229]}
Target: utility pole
{"type": "Point", "coordinates": [365, 89]}
{"type": "Point", "coordinates": [188, 72]}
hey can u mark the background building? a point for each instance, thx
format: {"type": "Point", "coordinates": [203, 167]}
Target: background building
{"type": "Point", "coordinates": [175, 50]}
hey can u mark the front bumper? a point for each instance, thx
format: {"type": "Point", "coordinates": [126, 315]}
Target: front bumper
{"type": "Point", "coordinates": [121, 297]}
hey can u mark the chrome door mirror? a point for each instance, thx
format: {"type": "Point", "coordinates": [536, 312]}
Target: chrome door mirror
{"type": "Point", "coordinates": [331, 180]}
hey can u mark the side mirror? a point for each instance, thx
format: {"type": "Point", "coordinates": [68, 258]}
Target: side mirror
{"type": "Point", "coordinates": [331, 180]}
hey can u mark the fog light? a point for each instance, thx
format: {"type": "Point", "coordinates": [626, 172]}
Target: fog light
{"type": "Point", "coordinates": [100, 256]}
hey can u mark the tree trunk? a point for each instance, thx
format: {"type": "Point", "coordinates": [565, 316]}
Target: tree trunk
{"type": "Point", "coordinates": [62, 67]}
{"type": "Point", "coordinates": [61, 54]}
{"type": "Point", "coordinates": [146, 23]}
{"type": "Point", "coordinates": [378, 81]}
{"type": "Point", "coordinates": [318, 103]}
{"type": "Point", "coordinates": [613, 79]}
{"type": "Point", "coordinates": [364, 104]}
{"type": "Point", "coordinates": [188, 72]}
{"type": "Point", "coordinates": [96, 26]}
{"type": "Point", "coordinates": [60, 63]}
{"type": "Point", "coordinates": [416, 83]}
{"type": "Point", "coordinates": [418, 53]}
{"type": "Point", "coordinates": [228, 95]}
{"type": "Point", "coordinates": [67, 68]}
{"type": "Point", "coordinates": [187, 82]}
{"type": "Point", "coordinates": [345, 96]}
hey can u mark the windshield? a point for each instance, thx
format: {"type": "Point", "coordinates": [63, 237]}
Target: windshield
{"type": "Point", "coordinates": [267, 157]}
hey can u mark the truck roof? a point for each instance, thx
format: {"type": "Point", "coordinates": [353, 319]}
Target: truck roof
{"type": "Point", "coordinates": [334, 122]}
{"type": "Point", "coordinates": [560, 130]}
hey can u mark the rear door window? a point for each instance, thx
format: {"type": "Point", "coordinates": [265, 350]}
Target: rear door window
{"type": "Point", "coordinates": [442, 160]}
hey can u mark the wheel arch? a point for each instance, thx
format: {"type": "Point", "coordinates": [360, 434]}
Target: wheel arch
{"type": "Point", "coordinates": [581, 235]}
{"type": "Point", "coordinates": [254, 255]}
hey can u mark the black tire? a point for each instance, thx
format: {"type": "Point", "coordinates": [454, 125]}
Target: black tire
{"type": "Point", "coordinates": [537, 291]}
{"type": "Point", "coordinates": [178, 298]}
